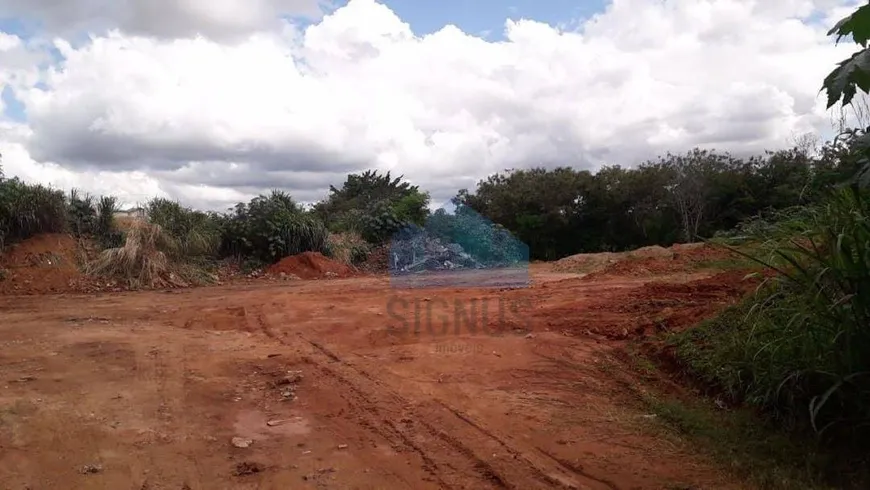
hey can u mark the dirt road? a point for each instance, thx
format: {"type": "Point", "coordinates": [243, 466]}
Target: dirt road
{"type": "Point", "coordinates": [344, 383]}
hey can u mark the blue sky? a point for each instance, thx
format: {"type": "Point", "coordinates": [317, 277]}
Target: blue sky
{"type": "Point", "coordinates": [477, 16]}
{"type": "Point", "coordinates": [13, 109]}
{"type": "Point", "coordinates": [13, 26]}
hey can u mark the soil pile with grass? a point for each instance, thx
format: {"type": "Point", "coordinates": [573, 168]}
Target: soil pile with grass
{"type": "Point", "coordinates": [586, 263]}
{"type": "Point", "coordinates": [649, 266]}
{"type": "Point", "coordinates": [656, 261]}
{"type": "Point", "coordinates": [652, 251]}
{"type": "Point", "coordinates": [148, 259]}
{"type": "Point", "coordinates": [310, 265]}
{"type": "Point", "coordinates": [43, 264]}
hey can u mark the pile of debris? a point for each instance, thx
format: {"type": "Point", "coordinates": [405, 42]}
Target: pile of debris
{"type": "Point", "coordinates": [423, 252]}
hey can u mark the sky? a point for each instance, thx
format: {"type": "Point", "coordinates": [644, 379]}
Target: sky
{"type": "Point", "coordinates": [212, 102]}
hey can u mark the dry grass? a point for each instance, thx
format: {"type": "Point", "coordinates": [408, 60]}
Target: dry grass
{"type": "Point", "coordinates": [146, 260]}
{"type": "Point", "coordinates": [124, 223]}
{"type": "Point", "coordinates": [349, 248]}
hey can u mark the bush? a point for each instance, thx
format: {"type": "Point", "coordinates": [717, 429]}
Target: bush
{"type": "Point", "coordinates": [81, 213]}
{"type": "Point", "coordinates": [196, 234]}
{"type": "Point", "coordinates": [26, 210]}
{"type": "Point", "coordinates": [763, 226]}
{"type": "Point", "coordinates": [349, 248]}
{"type": "Point", "coordinates": [88, 216]}
{"type": "Point", "coordinates": [800, 348]}
{"type": "Point", "coordinates": [380, 222]}
{"type": "Point", "coordinates": [105, 230]}
{"type": "Point", "coordinates": [150, 257]}
{"type": "Point", "coordinates": [270, 228]}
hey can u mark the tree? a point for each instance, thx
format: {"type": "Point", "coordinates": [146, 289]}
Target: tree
{"type": "Point", "coordinates": [850, 75]}
{"type": "Point", "coordinates": [691, 185]}
{"type": "Point", "coordinates": [373, 204]}
{"type": "Point", "coordinates": [537, 205]}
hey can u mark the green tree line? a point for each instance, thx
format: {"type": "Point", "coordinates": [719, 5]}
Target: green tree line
{"type": "Point", "coordinates": [556, 212]}
{"type": "Point", "coordinates": [675, 198]}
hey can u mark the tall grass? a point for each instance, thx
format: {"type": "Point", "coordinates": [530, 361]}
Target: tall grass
{"type": "Point", "coordinates": [271, 227]}
{"type": "Point", "coordinates": [150, 257]}
{"type": "Point", "coordinates": [26, 210]}
{"type": "Point", "coordinates": [197, 234]}
{"type": "Point", "coordinates": [172, 248]}
{"type": "Point", "coordinates": [349, 248]}
{"type": "Point", "coordinates": [81, 212]}
{"type": "Point", "coordinates": [104, 227]}
{"type": "Point", "coordinates": [800, 347]}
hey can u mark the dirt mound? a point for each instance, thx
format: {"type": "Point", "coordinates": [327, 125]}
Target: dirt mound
{"type": "Point", "coordinates": [585, 263]}
{"type": "Point", "coordinates": [652, 261]}
{"type": "Point", "coordinates": [701, 252]}
{"type": "Point", "coordinates": [623, 313]}
{"type": "Point", "coordinates": [640, 267]}
{"type": "Point", "coordinates": [378, 260]}
{"type": "Point", "coordinates": [310, 265]}
{"type": "Point", "coordinates": [593, 262]}
{"type": "Point", "coordinates": [651, 252]}
{"type": "Point", "coordinates": [41, 264]}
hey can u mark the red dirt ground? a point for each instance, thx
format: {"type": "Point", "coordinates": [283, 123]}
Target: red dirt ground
{"type": "Point", "coordinates": [347, 384]}
{"type": "Point", "coordinates": [310, 265]}
{"type": "Point", "coordinates": [43, 264]}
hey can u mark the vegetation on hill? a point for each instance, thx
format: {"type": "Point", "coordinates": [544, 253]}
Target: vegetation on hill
{"type": "Point", "coordinates": [798, 350]}
{"type": "Point", "coordinates": [556, 212]}
{"type": "Point", "coordinates": [676, 198]}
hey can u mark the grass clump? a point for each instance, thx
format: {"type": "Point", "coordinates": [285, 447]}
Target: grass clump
{"type": "Point", "coordinates": [349, 248]}
{"type": "Point", "coordinates": [174, 247]}
{"type": "Point", "coordinates": [798, 350]}
{"type": "Point", "coordinates": [196, 234]}
{"type": "Point", "coordinates": [149, 258]}
{"type": "Point", "coordinates": [271, 227]}
{"type": "Point", "coordinates": [757, 452]}
{"type": "Point", "coordinates": [26, 210]}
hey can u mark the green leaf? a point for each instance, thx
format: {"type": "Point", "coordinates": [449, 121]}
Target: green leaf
{"type": "Point", "coordinates": [849, 74]}
{"type": "Point", "coordinates": [857, 24]}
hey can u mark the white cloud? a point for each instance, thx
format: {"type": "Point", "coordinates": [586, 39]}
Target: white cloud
{"type": "Point", "coordinates": [218, 19]}
{"type": "Point", "coordinates": [18, 63]}
{"type": "Point", "coordinates": [299, 109]}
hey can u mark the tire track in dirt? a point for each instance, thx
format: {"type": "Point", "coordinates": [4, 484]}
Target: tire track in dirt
{"type": "Point", "coordinates": [165, 369]}
{"type": "Point", "coordinates": [436, 432]}
{"type": "Point", "coordinates": [576, 468]}
{"type": "Point", "coordinates": [146, 375]}
{"type": "Point", "coordinates": [179, 386]}
{"type": "Point", "coordinates": [431, 440]}
{"type": "Point", "coordinates": [571, 468]}
{"type": "Point", "coordinates": [368, 413]}
{"type": "Point", "coordinates": [377, 409]}
{"type": "Point", "coordinates": [460, 434]}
